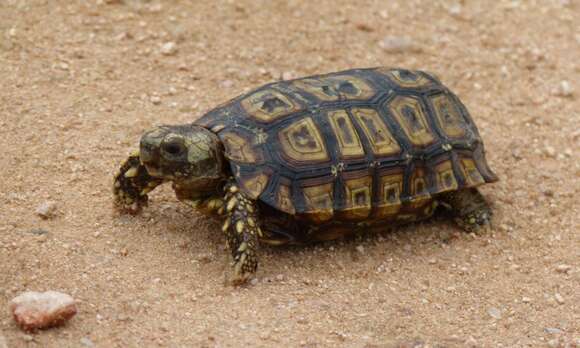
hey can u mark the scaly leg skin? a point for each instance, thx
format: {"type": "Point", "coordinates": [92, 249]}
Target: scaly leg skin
{"type": "Point", "coordinates": [242, 232]}
{"type": "Point", "coordinates": [472, 212]}
{"type": "Point", "coordinates": [131, 185]}
{"type": "Point", "coordinates": [209, 206]}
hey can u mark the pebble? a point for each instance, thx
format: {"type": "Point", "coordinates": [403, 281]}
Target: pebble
{"type": "Point", "coordinates": [396, 44]}
{"type": "Point", "coordinates": [564, 89]}
{"type": "Point", "coordinates": [38, 231]}
{"type": "Point", "coordinates": [360, 249]}
{"type": "Point", "coordinates": [46, 210]}
{"type": "Point", "coordinates": [288, 75]}
{"type": "Point", "coordinates": [554, 343]}
{"type": "Point", "coordinates": [254, 281]}
{"type": "Point", "coordinates": [40, 310]}
{"type": "Point", "coordinates": [227, 83]}
{"type": "Point", "coordinates": [455, 10]}
{"type": "Point", "coordinates": [563, 268]}
{"type": "Point", "coordinates": [432, 261]}
{"type": "Point", "coordinates": [169, 49]}
{"type": "Point", "coordinates": [86, 342]}
{"type": "Point", "coordinates": [550, 151]}
{"type": "Point", "coordinates": [553, 330]}
{"type": "Point", "coordinates": [494, 313]}
{"type": "Point", "coordinates": [559, 298]}
{"type": "Point", "coordinates": [526, 299]}
{"type": "Point", "coordinates": [156, 100]}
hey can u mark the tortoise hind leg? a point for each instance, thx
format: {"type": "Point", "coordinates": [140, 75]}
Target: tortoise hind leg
{"type": "Point", "coordinates": [242, 232]}
{"type": "Point", "coordinates": [471, 210]}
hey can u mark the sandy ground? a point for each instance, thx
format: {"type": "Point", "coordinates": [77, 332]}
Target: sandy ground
{"type": "Point", "coordinates": [81, 80]}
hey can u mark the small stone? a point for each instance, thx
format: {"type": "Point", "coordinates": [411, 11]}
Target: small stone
{"type": "Point", "coordinates": [46, 210]}
{"type": "Point", "coordinates": [38, 231]}
{"type": "Point", "coordinates": [86, 342]}
{"type": "Point", "coordinates": [559, 298]}
{"type": "Point", "coordinates": [280, 277]}
{"type": "Point", "coordinates": [12, 32]}
{"type": "Point", "coordinates": [455, 9]}
{"type": "Point", "coordinates": [553, 330]}
{"type": "Point", "coordinates": [563, 268]}
{"type": "Point", "coordinates": [554, 343]}
{"type": "Point", "coordinates": [564, 89]}
{"type": "Point", "coordinates": [432, 261]}
{"type": "Point", "coordinates": [227, 83]}
{"type": "Point", "coordinates": [550, 151]}
{"type": "Point", "coordinates": [63, 66]}
{"type": "Point", "coordinates": [169, 49]}
{"type": "Point", "coordinates": [28, 338]}
{"type": "Point", "coordinates": [360, 249]}
{"type": "Point", "coordinates": [40, 310]}
{"type": "Point", "coordinates": [254, 281]}
{"type": "Point", "coordinates": [494, 313]}
{"type": "Point", "coordinates": [288, 75]}
{"type": "Point", "coordinates": [399, 44]}
{"type": "Point", "coordinates": [156, 100]}
{"type": "Point", "coordinates": [526, 299]}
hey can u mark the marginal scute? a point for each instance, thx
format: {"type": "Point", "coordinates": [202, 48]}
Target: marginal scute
{"type": "Point", "coordinates": [410, 115]}
{"type": "Point", "coordinates": [349, 143]}
{"type": "Point", "coordinates": [284, 199]}
{"type": "Point", "coordinates": [448, 116]}
{"type": "Point", "coordinates": [391, 186]}
{"type": "Point", "coordinates": [381, 140]}
{"type": "Point", "coordinates": [240, 149]}
{"type": "Point", "coordinates": [358, 197]}
{"type": "Point", "coordinates": [319, 202]}
{"type": "Point", "coordinates": [445, 177]}
{"type": "Point", "coordinates": [470, 172]}
{"type": "Point", "coordinates": [301, 141]}
{"type": "Point", "coordinates": [336, 87]}
{"type": "Point", "coordinates": [419, 194]}
{"type": "Point", "coordinates": [255, 184]}
{"type": "Point", "coordinates": [269, 104]}
{"type": "Point", "coordinates": [405, 78]}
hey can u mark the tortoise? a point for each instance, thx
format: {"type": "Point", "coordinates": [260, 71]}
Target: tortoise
{"type": "Point", "coordinates": [318, 158]}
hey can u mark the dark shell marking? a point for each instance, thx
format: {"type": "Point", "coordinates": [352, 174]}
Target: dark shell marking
{"type": "Point", "coordinates": [356, 145]}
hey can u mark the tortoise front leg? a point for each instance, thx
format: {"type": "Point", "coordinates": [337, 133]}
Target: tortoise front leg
{"type": "Point", "coordinates": [242, 232]}
{"type": "Point", "coordinates": [471, 210]}
{"type": "Point", "coordinates": [131, 185]}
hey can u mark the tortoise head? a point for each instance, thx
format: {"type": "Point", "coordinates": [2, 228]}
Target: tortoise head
{"type": "Point", "coordinates": [189, 155]}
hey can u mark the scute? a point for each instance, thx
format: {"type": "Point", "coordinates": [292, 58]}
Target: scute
{"type": "Point", "coordinates": [354, 145]}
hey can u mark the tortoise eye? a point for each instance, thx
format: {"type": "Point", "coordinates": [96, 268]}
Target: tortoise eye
{"type": "Point", "coordinates": [174, 148]}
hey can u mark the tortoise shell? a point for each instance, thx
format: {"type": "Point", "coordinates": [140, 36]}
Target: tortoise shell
{"type": "Point", "coordinates": [350, 145]}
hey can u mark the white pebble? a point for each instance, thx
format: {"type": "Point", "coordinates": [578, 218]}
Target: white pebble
{"type": "Point", "coordinates": [494, 313]}
{"type": "Point", "coordinates": [398, 44]}
{"type": "Point", "coordinates": [46, 209]}
{"type": "Point", "coordinates": [156, 100]}
{"type": "Point", "coordinates": [563, 268]}
{"type": "Point", "coordinates": [86, 342]}
{"type": "Point", "coordinates": [564, 89]}
{"type": "Point", "coordinates": [559, 298]}
{"type": "Point", "coordinates": [169, 48]}
{"type": "Point", "coordinates": [227, 83]}
{"type": "Point", "coordinates": [360, 249]}
{"type": "Point", "coordinates": [38, 310]}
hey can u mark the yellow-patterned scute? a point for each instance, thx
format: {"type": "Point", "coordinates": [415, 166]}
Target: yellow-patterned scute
{"type": "Point", "coordinates": [338, 87]}
{"type": "Point", "coordinates": [301, 141]}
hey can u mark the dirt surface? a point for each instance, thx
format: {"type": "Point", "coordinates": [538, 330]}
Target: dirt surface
{"type": "Point", "coordinates": [81, 80]}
